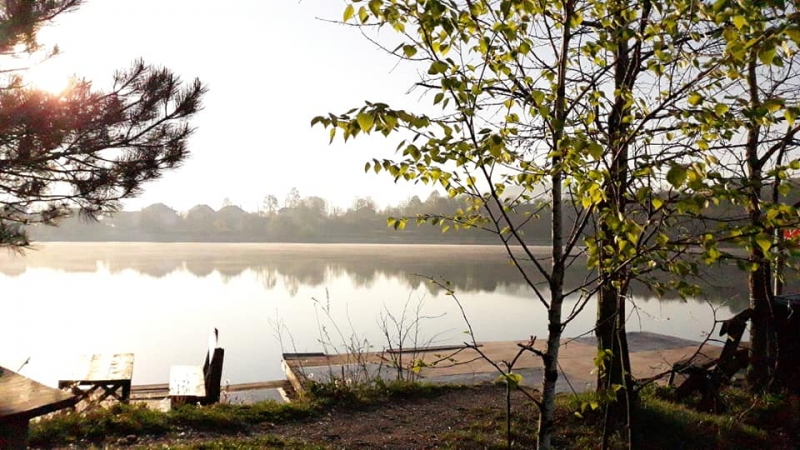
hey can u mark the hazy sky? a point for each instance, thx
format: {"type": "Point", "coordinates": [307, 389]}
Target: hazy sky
{"type": "Point", "coordinates": [270, 67]}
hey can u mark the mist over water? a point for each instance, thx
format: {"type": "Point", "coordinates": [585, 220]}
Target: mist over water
{"type": "Point", "coordinates": [159, 301]}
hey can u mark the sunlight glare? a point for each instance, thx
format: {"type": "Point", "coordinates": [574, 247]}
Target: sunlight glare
{"type": "Point", "coordinates": [48, 77]}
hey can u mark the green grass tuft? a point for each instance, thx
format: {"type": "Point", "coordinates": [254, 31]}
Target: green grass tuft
{"type": "Point", "coordinates": [339, 393]}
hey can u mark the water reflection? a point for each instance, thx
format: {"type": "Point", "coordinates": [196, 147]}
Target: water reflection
{"type": "Point", "coordinates": [158, 300]}
{"type": "Point", "coordinates": [468, 268]}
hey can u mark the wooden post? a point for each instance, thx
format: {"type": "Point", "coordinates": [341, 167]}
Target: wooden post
{"type": "Point", "coordinates": [214, 376]}
{"type": "Point", "coordinates": [212, 368]}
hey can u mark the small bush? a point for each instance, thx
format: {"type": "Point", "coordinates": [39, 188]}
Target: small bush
{"type": "Point", "coordinates": [341, 393]}
{"type": "Point", "coordinates": [119, 420]}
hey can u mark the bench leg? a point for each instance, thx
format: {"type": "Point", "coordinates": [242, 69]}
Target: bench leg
{"type": "Point", "coordinates": [14, 435]}
{"type": "Point", "coordinates": [126, 392]}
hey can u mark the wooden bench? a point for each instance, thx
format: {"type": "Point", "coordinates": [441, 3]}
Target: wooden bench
{"type": "Point", "coordinates": [707, 378]}
{"type": "Point", "coordinates": [22, 399]}
{"type": "Point", "coordinates": [195, 384]}
{"type": "Point", "coordinates": [109, 375]}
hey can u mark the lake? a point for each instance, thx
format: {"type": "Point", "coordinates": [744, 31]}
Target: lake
{"type": "Point", "coordinates": [159, 301]}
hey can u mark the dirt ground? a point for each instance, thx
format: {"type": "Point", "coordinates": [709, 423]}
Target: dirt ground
{"type": "Point", "coordinates": [421, 423]}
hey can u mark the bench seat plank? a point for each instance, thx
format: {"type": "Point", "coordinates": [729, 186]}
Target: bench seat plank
{"type": "Point", "coordinates": [103, 367]}
{"type": "Point", "coordinates": [187, 381]}
{"type": "Point", "coordinates": [22, 398]}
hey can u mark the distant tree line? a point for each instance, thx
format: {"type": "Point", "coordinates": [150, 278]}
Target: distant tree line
{"type": "Point", "coordinates": [312, 219]}
{"type": "Point", "coordinates": [300, 219]}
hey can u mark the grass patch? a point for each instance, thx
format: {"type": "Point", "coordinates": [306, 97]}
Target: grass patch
{"type": "Point", "coordinates": [768, 421]}
{"type": "Point", "coordinates": [750, 422]}
{"type": "Point", "coordinates": [119, 420]}
{"type": "Point", "coordinates": [244, 443]}
{"type": "Point", "coordinates": [487, 428]}
{"type": "Point", "coordinates": [680, 427]}
{"type": "Point", "coordinates": [122, 420]}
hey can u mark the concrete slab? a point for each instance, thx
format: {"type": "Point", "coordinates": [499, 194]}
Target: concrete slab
{"type": "Point", "coordinates": [347, 372]}
{"type": "Point", "coordinates": [651, 354]}
{"type": "Point", "coordinates": [643, 341]}
{"type": "Point", "coordinates": [248, 397]}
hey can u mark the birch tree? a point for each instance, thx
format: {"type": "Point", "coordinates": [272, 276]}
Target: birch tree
{"type": "Point", "coordinates": [577, 107]}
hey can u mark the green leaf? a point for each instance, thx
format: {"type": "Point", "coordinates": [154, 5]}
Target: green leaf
{"type": "Point", "coordinates": [538, 97]}
{"type": "Point", "coordinates": [773, 105]}
{"type": "Point", "coordinates": [409, 51]}
{"type": "Point", "coordinates": [739, 22]}
{"type": "Point", "coordinates": [764, 241]}
{"type": "Point", "coordinates": [720, 109]}
{"type": "Point", "coordinates": [657, 203]}
{"type": "Point", "coordinates": [365, 121]}
{"type": "Point", "coordinates": [794, 34]}
{"type": "Point", "coordinates": [676, 176]}
{"type": "Point", "coordinates": [512, 379]}
{"type": "Point", "coordinates": [595, 150]}
{"type": "Point", "coordinates": [790, 116]}
{"type": "Point", "coordinates": [713, 255]}
{"type": "Point", "coordinates": [348, 13]}
{"type": "Point", "coordinates": [767, 54]}
{"type": "Point", "coordinates": [772, 214]}
{"type": "Point", "coordinates": [437, 67]}
{"type": "Point", "coordinates": [375, 7]}
{"type": "Point", "coordinates": [362, 14]}
{"type": "Point", "coordinates": [695, 99]}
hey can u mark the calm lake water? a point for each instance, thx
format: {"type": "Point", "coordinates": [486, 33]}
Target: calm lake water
{"type": "Point", "coordinates": [159, 301]}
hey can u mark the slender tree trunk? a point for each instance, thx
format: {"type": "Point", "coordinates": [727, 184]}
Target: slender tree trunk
{"type": "Point", "coordinates": [548, 412]}
{"type": "Point", "coordinates": [612, 335]}
{"type": "Point", "coordinates": [610, 327]}
{"type": "Point", "coordinates": [548, 409]}
{"type": "Point", "coordinates": [762, 345]}
{"type": "Point", "coordinates": [762, 342]}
